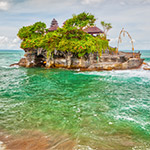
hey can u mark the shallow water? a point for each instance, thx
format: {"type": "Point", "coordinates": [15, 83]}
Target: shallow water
{"type": "Point", "coordinates": [100, 110]}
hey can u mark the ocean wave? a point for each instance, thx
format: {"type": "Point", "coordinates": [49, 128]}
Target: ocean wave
{"type": "Point", "coordinates": [126, 74]}
{"type": "Point", "coordinates": [143, 124]}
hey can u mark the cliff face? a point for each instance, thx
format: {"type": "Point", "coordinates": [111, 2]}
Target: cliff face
{"type": "Point", "coordinates": [92, 61]}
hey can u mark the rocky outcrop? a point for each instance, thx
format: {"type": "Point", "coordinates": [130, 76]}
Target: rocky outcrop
{"type": "Point", "coordinates": [146, 66]}
{"type": "Point", "coordinates": [92, 61]}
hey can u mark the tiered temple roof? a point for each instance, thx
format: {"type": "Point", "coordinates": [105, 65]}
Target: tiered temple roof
{"type": "Point", "coordinates": [54, 25]}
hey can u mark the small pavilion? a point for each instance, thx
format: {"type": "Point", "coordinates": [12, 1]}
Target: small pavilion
{"type": "Point", "coordinates": [93, 30]}
{"type": "Point", "coordinates": [54, 25]}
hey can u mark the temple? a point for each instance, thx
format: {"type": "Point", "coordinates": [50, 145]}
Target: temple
{"type": "Point", "coordinates": [93, 30]}
{"type": "Point", "coordinates": [108, 60]}
{"type": "Point", "coordinates": [54, 25]}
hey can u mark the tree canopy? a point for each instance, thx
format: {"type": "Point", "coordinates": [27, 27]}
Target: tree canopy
{"type": "Point", "coordinates": [70, 37]}
{"type": "Point", "coordinates": [73, 40]}
{"type": "Point", "coordinates": [32, 31]}
{"type": "Point", "coordinates": [81, 20]}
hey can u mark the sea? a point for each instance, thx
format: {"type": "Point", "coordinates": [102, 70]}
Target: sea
{"type": "Point", "coordinates": [100, 110]}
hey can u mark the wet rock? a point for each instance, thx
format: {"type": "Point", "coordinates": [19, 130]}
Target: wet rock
{"type": "Point", "coordinates": [92, 61]}
{"type": "Point", "coordinates": [23, 62]}
{"type": "Point", "coordinates": [134, 63]}
{"type": "Point", "coordinates": [15, 64]}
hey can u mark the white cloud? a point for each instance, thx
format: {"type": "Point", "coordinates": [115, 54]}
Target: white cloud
{"type": "Point", "coordinates": [91, 1]}
{"type": "Point", "coordinates": [122, 3]}
{"type": "Point", "coordinates": [9, 43]}
{"type": "Point", "coordinates": [48, 6]}
{"type": "Point", "coordinates": [16, 40]}
{"type": "Point", "coordinates": [113, 40]}
{"type": "Point", "coordinates": [146, 1]}
{"type": "Point", "coordinates": [4, 5]}
{"type": "Point", "coordinates": [134, 2]}
{"type": "Point", "coordinates": [3, 40]}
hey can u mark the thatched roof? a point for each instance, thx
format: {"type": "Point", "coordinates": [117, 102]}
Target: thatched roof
{"type": "Point", "coordinates": [93, 30]}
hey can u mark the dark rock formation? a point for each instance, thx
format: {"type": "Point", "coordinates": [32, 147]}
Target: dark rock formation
{"type": "Point", "coordinates": [92, 61]}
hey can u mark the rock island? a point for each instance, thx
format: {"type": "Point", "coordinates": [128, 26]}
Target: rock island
{"type": "Point", "coordinates": [78, 44]}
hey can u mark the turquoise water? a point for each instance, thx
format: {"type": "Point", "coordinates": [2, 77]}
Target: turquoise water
{"type": "Point", "coordinates": [101, 110]}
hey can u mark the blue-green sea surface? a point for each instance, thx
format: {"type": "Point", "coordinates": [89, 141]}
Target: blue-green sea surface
{"type": "Point", "coordinates": [101, 110]}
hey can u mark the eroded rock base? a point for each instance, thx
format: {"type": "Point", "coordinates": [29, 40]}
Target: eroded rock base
{"type": "Point", "coordinates": [92, 61]}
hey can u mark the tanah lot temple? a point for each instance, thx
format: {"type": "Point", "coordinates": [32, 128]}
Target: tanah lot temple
{"type": "Point", "coordinates": [92, 61]}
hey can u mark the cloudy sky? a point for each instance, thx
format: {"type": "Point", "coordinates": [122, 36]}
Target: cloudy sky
{"type": "Point", "coordinates": [133, 15]}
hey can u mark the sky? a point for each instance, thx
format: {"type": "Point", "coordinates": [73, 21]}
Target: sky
{"type": "Point", "coordinates": [133, 15]}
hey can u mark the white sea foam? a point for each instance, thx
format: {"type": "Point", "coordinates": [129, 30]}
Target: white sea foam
{"type": "Point", "coordinates": [6, 67]}
{"type": "Point", "coordinates": [125, 74]}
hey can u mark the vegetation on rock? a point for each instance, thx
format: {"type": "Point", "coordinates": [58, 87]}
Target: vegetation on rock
{"type": "Point", "coordinates": [69, 38]}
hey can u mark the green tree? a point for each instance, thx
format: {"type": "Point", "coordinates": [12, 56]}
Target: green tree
{"type": "Point", "coordinates": [73, 40]}
{"type": "Point", "coordinates": [31, 35]}
{"type": "Point", "coordinates": [106, 27]}
{"type": "Point", "coordinates": [32, 31]}
{"type": "Point", "coordinates": [81, 20]}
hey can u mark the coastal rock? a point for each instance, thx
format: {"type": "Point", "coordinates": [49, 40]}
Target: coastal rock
{"type": "Point", "coordinates": [146, 68]}
{"type": "Point", "coordinates": [23, 62]}
{"type": "Point", "coordinates": [92, 61]}
{"type": "Point", "coordinates": [15, 64]}
{"type": "Point", "coordinates": [133, 63]}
